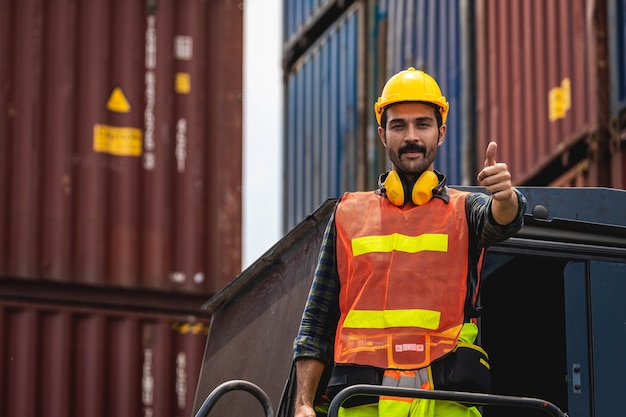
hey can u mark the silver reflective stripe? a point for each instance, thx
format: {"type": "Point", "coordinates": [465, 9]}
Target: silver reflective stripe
{"type": "Point", "coordinates": [421, 377]}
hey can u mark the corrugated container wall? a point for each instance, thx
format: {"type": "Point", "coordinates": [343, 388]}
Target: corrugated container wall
{"type": "Point", "coordinates": [617, 53]}
{"type": "Point", "coordinates": [120, 142]}
{"type": "Point", "coordinates": [68, 361]}
{"type": "Point", "coordinates": [302, 13]}
{"type": "Point", "coordinates": [544, 79]}
{"type": "Point", "coordinates": [433, 36]}
{"type": "Point", "coordinates": [617, 48]}
{"type": "Point", "coordinates": [331, 144]}
{"type": "Point", "coordinates": [323, 119]}
{"type": "Point", "coordinates": [541, 85]}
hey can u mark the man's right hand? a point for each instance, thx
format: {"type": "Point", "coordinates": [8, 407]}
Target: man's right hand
{"type": "Point", "coordinates": [308, 375]}
{"type": "Point", "coordinates": [304, 411]}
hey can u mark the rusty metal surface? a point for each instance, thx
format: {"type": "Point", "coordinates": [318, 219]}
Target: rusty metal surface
{"type": "Point", "coordinates": [66, 361]}
{"type": "Point", "coordinates": [121, 142]}
{"type": "Point", "coordinates": [538, 83]}
{"type": "Point", "coordinates": [255, 319]}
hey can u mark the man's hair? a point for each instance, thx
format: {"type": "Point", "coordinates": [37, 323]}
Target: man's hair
{"type": "Point", "coordinates": [383, 117]}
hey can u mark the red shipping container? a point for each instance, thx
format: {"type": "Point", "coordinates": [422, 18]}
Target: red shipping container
{"type": "Point", "coordinates": [121, 142]}
{"type": "Point", "coordinates": [66, 361]}
{"type": "Point", "coordinates": [542, 84]}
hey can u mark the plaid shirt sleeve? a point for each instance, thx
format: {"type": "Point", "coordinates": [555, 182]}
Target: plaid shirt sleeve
{"type": "Point", "coordinates": [316, 335]}
{"type": "Point", "coordinates": [485, 229]}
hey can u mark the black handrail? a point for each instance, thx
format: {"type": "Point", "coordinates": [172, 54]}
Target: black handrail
{"type": "Point", "coordinates": [241, 385]}
{"type": "Point", "coordinates": [464, 397]}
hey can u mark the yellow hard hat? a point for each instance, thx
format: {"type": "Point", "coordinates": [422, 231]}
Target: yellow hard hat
{"type": "Point", "coordinates": [411, 85]}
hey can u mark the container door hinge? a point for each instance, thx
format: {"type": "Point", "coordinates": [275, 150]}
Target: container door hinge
{"type": "Point", "coordinates": [576, 379]}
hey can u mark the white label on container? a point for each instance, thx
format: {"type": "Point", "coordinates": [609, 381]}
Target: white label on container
{"type": "Point", "coordinates": [149, 159]}
{"type": "Point", "coordinates": [178, 277]}
{"type": "Point", "coordinates": [147, 379]}
{"type": "Point", "coordinates": [183, 47]}
{"type": "Point", "coordinates": [181, 379]}
{"type": "Point", "coordinates": [181, 144]}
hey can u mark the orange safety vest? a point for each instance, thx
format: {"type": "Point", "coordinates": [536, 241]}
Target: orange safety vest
{"type": "Point", "coordinates": [403, 274]}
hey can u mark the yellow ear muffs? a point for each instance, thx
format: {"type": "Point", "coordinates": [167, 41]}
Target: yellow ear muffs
{"type": "Point", "coordinates": [394, 188]}
{"type": "Point", "coordinates": [423, 188]}
{"type": "Point", "coordinates": [421, 192]}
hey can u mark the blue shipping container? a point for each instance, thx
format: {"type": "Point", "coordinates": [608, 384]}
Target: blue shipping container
{"type": "Point", "coordinates": [321, 119]}
{"type": "Point", "coordinates": [301, 13]}
{"type": "Point", "coordinates": [433, 36]}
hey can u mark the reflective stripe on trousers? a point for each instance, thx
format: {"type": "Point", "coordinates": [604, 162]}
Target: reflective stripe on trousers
{"type": "Point", "coordinates": [407, 379]}
{"type": "Point", "coordinates": [415, 408]}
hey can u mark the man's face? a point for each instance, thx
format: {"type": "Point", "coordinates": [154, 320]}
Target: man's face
{"type": "Point", "coordinates": [412, 137]}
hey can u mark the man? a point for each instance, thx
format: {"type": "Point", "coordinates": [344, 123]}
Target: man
{"type": "Point", "coordinates": [393, 300]}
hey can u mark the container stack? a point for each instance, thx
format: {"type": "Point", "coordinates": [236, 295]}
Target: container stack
{"type": "Point", "coordinates": [546, 80]}
{"type": "Point", "coordinates": [120, 200]}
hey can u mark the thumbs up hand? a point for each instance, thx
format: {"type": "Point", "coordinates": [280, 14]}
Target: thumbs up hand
{"type": "Point", "coordinates": [490, 155]}
{"type": "Point", "coordinates": [496, 179]}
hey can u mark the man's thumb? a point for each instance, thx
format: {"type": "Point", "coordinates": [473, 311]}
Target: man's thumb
{"type": "Point", "coordinates": [490, 155]}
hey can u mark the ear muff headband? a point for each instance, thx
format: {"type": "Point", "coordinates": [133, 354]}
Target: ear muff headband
{"type": "Point", "coordinates": [421, 192]}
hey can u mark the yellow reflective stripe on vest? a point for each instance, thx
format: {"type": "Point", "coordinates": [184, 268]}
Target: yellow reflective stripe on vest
{"type": "Point", "coordinates": [427, 242]}
{"type": "Point", "coordinates": [375, 319]}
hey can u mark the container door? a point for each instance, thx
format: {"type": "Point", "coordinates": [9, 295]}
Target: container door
{"type": "Point", "coordinates": [596, 338]}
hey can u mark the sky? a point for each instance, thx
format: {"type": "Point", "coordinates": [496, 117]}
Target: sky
{"type": "Point", "coordinates": [262, 128]}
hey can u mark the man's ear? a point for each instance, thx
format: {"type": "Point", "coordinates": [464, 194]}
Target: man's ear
{"type": "Point", "coordinates": [381, 134]}
{"type": "Point", "coordinates": [442, 135]}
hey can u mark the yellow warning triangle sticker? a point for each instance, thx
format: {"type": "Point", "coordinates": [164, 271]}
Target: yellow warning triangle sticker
{"type": "Point", "coordinates": [117, 101]}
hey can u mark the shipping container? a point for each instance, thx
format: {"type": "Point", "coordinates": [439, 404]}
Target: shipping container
{"type": "Point", "coordinates": [574, 177]}
{"type": "Point", "coordinates": [617, 69]}
{"type": "Point", "coordinates": [434, 36]}
{"type": "Point", "coordinates": [324, 118]}
{"type": "Point", "coordinates": [119, 120]}
{"type": "Point", "coordinates": [302, 14]}
{"type": "Point", "coordinates": [581, 174]}
{"type": "Point", "coordinates": [64, 360]}
{"type": "Point", "coordinates": [542, 79]}
{"type": "Point", "coordinates": [331, 144]}
{"type": "Point", "coordinates": [618, 159]}
{"type": "Point", "coordinates": [617, 58]}
{"type": "Point", "coordinates": [542, 84]}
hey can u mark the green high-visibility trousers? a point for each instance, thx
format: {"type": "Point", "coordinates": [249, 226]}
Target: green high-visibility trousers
{"type": "Point", "coordinates": [410, 408]}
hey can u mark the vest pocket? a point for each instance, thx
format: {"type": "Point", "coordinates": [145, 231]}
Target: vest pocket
{"type": "Point", "coordinates": [466, 368]}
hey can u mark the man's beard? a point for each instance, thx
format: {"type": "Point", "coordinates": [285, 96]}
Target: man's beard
{"type": "Point", "coordinates": [410, 169]}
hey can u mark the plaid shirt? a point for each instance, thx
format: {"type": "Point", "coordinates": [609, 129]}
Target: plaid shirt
{"type": "Point", "coordinates": [316, 336]}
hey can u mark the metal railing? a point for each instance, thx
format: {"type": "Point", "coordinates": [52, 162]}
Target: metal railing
{"type": "Point", "coordinates": [377, 390]}
{"type": "Point", "coordinates": [236, 385]}
{"type": "Point", "coordinates": [463, 397]}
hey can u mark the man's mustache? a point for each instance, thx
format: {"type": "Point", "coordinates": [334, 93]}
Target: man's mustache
{"type": "Point", "coordinates": [412, 147]}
